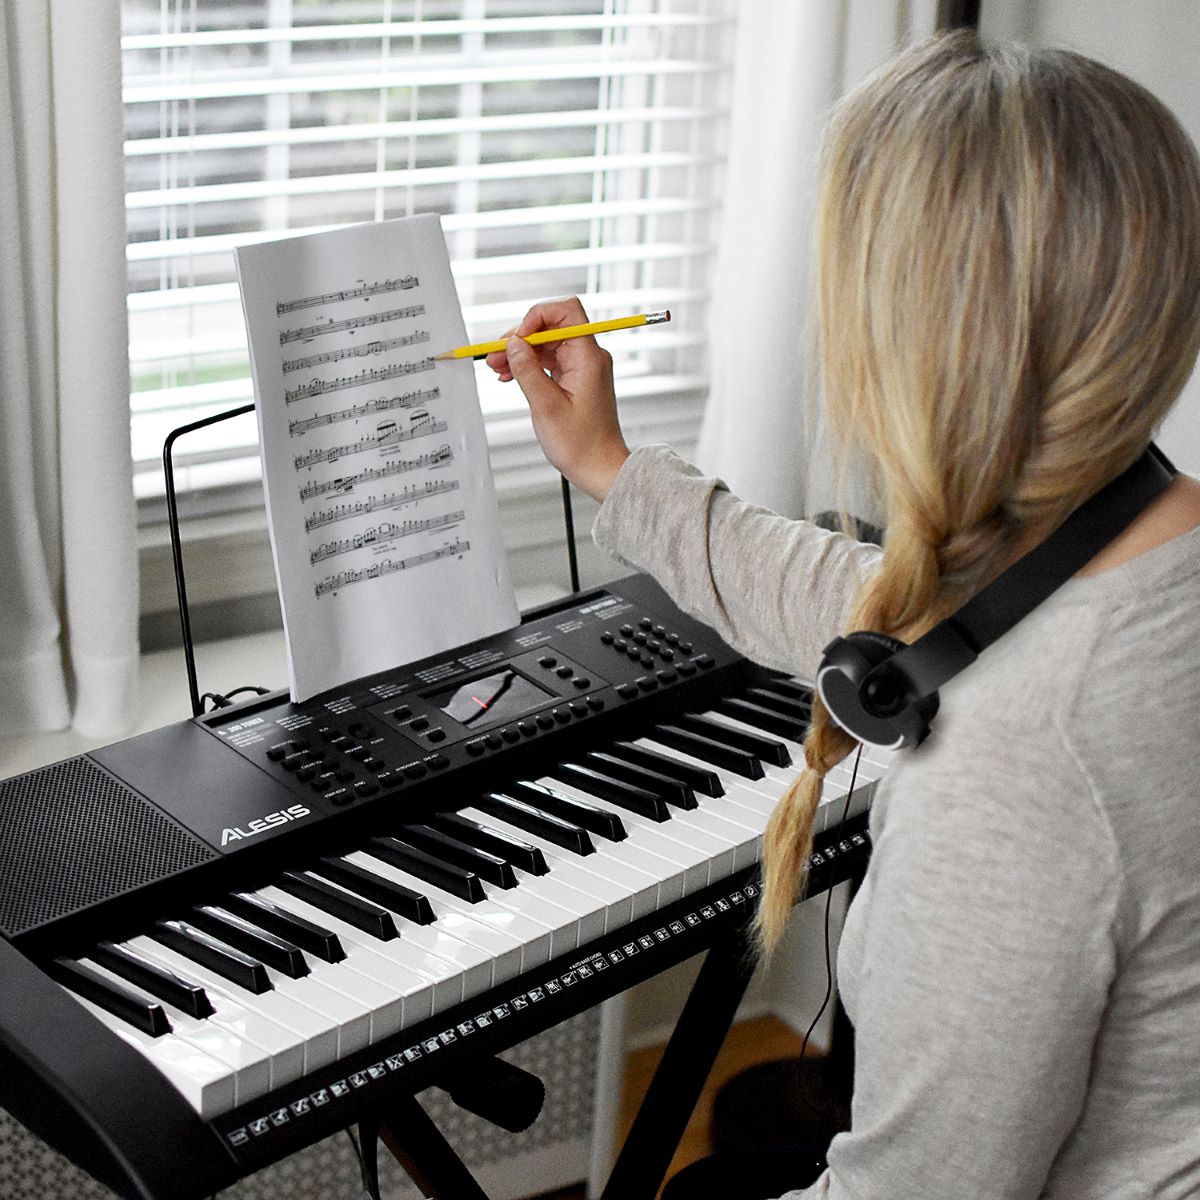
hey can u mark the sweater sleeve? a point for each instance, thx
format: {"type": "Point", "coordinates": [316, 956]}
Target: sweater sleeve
{"type": "Point", "coordinates": [989, 946]}
{"type": "Point", "coordinates": [777, 590]}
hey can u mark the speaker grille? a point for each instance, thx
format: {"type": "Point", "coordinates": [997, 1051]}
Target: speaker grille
{"type": "Point", "coordinates": [71, 835]}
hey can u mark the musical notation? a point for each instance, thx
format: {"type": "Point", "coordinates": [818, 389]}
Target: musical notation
{"type": "Point", "coordinates": [398, 466]}
{"type": "Point", "coordinates": [379, 535]}
{"type": "Point", "coordinates": [371, 408]}
{"type": "Point", "coordinates": [308, 332]}
{"type": "Point", "coordinates": [389, 566]}
{"type": "Point", "coordinates": [376, 347]}
{"type": "Point", "coordinates": [388, 434]}
{"type": "Point", "coordinates": [357, 293]}
{"type": "Point", "coordinates": [361, 508]}
{"type": "Point", "coordinates": [320, 387]}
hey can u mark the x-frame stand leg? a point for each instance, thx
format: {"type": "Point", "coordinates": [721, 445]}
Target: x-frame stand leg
{"type": "Point", "coordinates": [419, 1147]}
{"type": "Point", "coordinates": [685, 1066]}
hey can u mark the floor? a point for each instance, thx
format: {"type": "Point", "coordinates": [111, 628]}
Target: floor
{"type": "Point", "coordinates": [762, 1039]}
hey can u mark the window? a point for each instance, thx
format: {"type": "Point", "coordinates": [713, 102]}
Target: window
{"type": "Point", "coordinates": [572, 146]}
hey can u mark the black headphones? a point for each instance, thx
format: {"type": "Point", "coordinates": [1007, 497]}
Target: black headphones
{"type": "Point", "coordinates": [884, 692]}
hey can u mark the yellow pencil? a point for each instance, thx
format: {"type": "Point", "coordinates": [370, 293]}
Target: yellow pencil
{"type": "Point", "coordinates": [482, 349]}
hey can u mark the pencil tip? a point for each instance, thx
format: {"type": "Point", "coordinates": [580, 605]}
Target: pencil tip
{"type": "Point", "coordinates": [442, 357]}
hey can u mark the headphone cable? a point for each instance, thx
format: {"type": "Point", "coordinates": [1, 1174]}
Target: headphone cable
{"type": "Point", "coordinates": [828, 898]}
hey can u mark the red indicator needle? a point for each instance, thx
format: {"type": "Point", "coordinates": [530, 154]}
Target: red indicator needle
{"type": "Point", "coordinates": [481, 703]}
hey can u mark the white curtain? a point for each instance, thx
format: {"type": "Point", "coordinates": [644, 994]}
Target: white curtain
{"type": "Point", "coordinates": [68, 565]}
{"type": "Point", "coordinates": [793, 59]}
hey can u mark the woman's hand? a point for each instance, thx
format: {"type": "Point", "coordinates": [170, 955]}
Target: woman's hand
{"type": "Point", "coordinates": [569, 386]}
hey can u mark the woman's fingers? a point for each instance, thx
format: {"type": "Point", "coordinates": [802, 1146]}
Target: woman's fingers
{"type": "Point", "coordinates": [549, 314]}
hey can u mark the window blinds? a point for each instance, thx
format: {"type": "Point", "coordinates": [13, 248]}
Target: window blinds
{"type": "Point", "coordinates": [572, 147]}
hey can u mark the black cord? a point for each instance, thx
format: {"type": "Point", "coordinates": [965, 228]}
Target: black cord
{"type": "Point", "coordinates": [569, 522]}
{"type": "Point", "coordinates": [828, 899]}
{"type": "Point", "coordinates": [220, 700]}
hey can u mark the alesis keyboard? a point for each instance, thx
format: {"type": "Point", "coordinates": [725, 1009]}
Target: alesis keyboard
{"type": "Point", "coordinates": [228, 938]}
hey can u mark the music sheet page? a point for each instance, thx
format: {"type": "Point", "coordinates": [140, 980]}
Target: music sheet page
{"type": "Point", "coordinates": [383, 513]}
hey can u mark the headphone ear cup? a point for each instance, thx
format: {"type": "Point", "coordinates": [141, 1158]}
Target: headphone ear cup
{"type": "Point", "coordinates": [853, 672]}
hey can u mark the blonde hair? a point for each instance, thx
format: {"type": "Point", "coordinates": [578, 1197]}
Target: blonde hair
{"type": "Point", "coordinates": [1008, 275]}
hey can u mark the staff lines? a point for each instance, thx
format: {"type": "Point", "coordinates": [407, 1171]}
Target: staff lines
{"type": "Point", "coordinates": [335, 583]}
{"type": "Point", "coordinates": [307, 332]}
{"type": "Point", "coordinates": [361, 292]}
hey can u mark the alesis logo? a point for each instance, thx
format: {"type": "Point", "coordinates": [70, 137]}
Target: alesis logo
{"type": "Point", "coordinates": [262, 824]}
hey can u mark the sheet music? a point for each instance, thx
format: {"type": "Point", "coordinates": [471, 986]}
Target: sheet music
{"type": "Point", "coordinates": [380, 500]}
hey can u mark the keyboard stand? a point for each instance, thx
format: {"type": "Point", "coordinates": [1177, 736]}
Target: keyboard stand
{"type": "Point", "coordinates": [434, 1166]}
{"type": "Point", "coordinates": [419, 1147]}
{"type": "Point", "coordinates": [680, 1076]}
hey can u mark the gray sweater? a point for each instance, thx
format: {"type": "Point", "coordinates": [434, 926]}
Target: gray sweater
{"type": "Point", "coordinates": [1022, 967]}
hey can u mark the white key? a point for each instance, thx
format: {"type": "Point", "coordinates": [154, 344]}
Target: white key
{"type": "Point", "coordinates": [280, 1026]}
{"type": "Point", "coordinates": [685, 863]}
{"type": "Point", "coordinates": [408, 974]}
{"type": "Point", "coordinates": [205, 1083]}
{"type": "Point", "coordinates": [589, 873]}
{"type": "Point", "coordinates": [472, 943]}
{"type": "Point", "coordinates": [247, 1064]}
{"type": "Point", "coordinates": [628, 855]}
{"type": "Point", "coordinates": [586, 910]}
{"type": "Point", "coordinates": [837, 783]}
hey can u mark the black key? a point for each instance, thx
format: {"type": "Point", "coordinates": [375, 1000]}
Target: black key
{"type": "Point", "coordinates": [788, 706]}
{"type": "Point", "coordinates": [455, 880]}
{"type": "Point", "coordinates": [489, 867]}
{"type": "Point", "coordinates": [789, 687]}
{"type": "Point", "coordinates": [512, 850]}
{"type": "Point", "coordinates": [156, 980]}
{"type": "Point", "coordinates": [324, 943]}
{"type": "Point", "coordinates": [671, 790]}
{"type": "Point", "coordinates": [111, 996]}
{"type": "Point", "coordinates": [587, 816]}
{"type": "Point", "coordinates": [268, 948]}
{"type": "Point", "coordinates": [707, 783]}
{"type": "Point", "coordinates": [624, 795]}
{"type": "Point", "coordinates": [762, 718]}
{"type": "Point", "coordinates": [231, 964]}
{"type": "Point", "coordinates": [737, 761]}
{"type": "Point", "coordinates": [374, 887]}
{"type": "Point", "coordinates": [368, 917]}
{"type": "Point", "coordinates": [542, 824]}
{"type": "Point", "coordinates": [764, 748]}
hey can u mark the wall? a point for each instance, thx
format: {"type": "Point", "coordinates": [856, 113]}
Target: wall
{"type": "Point", "coordinates": [1154, 42]}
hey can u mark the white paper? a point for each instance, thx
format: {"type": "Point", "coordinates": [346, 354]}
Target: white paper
{"type": "Point", "coordinates": [380, 500]}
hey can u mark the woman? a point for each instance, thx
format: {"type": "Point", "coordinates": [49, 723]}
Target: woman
{"type": "Point", "coordinates": [1008, 263]}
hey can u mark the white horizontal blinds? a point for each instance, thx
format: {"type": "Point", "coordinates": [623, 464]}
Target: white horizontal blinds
{"type": "Point", "coordinates": [572, 146]}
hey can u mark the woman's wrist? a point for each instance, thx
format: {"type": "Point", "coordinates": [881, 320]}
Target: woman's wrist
{"type": "Point", "coordinates": [599, 477]}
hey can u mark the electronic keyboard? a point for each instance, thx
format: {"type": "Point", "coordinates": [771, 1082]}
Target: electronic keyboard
{"type": "Point", "coordinates": [227, 938]}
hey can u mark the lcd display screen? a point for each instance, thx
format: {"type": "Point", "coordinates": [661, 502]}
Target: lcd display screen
{"type": "Point", "coordinates": [491, 700]}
